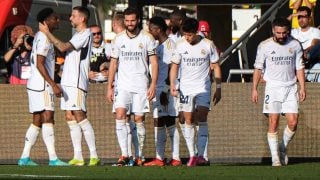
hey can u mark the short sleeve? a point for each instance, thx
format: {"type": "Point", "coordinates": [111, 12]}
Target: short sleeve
{"type": "Point", "coordinates": [214, 57]}
{"type": "Point", "coordinates": [260, 58]}
{"type": "Point", "coordinates": [81, 39]}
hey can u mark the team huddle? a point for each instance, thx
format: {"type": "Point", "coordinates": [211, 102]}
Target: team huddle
{"type": "Point", "coordinates": [172, 72]}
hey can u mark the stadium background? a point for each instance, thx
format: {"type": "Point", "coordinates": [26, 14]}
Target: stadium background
{"type": "Point", "coordinates": [237, 127]}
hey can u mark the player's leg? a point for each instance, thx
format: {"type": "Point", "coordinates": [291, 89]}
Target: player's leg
{"type": "Point", "coordinates": [48, 137]}
{"type": "Point", "coordinates": [203, 133]}
{"type": "Point", "coordinates": [175, 140]}
{"type": "Point", "coordinates": [273, 138]}
{"type": "Point", "coordinates": [122, 103]}
{"type": "Point", "coordinates": [69, 96]}
{"type": "Point", "coordinates": [88, 132]}
{"type": "Point", "coordinates": [290, 108]}
{"type": "Point", "coordinates": [30, 139]}
{"type": "Point", "coordinates": [189, 136]}
{"type": "Point", "coordinates": [160, 137]}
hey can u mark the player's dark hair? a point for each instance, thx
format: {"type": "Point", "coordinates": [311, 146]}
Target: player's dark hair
{"type": "Point", "coordinates": [44, 14]}
{"type": "Point", "coordinates": [84, 11]}
{"type": "Point", "coordinates": [131, 10]}
{"type": "Point", "coordinates": [281, 22]}
{"type": "Point", "coordinates": [158, 21]}
{"type": "Point", "coordinates": [190, 25]}
{"type": "Point", "coordinates": [304, 8]}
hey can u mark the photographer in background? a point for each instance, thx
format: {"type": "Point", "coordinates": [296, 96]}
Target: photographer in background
{"type": "Point", "coordinates": [19, 54]}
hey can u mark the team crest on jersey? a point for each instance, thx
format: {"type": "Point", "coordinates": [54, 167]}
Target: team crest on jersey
{"type": "Point", "coordinates": [290, 51]}
{"type": "Point", "coordinates": [203, 52]}
{"type": "Point", "coordinates": [141, 46]}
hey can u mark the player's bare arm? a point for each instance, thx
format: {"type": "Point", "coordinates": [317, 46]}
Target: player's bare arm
{"type": "Point", "coordinates": [112, 71]}
{"type": "Point", "coordinates": [61, 46]}
{"type": "Point", "coordinates": [301, 80]}
{"type": "Point", "coordinates": [254, 91]}
{"type": "Point", "coordinates": [217, 76]}
{"type": "Point", "coordinates": [173, 76]}
{"type": "Point", "coordinates": [155, 69]}
{"type": "Point", "coordinates": [43, 71]}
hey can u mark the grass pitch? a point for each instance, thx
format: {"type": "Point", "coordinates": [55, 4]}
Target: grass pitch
{"type": "Point", "coordinates": [215, 171]}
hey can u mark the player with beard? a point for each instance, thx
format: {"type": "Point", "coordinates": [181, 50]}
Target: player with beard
{"type": "Point", "coordinates": [132, 52]}
{"type": "Point", "coordinates": [281, 59]}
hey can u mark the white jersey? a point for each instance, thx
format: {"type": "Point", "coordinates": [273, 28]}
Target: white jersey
{"type": "Point", "coordinates": [194, 61]}
{"type": "Point", "coordinates": [305, 38]}
{"type": "Point", "coordinates": [132, 55]}
{"type": "Point", "coordinates": [76, 65]}
{"type": "Point", "coordinates": [164, 53]}
{"type": "Point", "coordinates": [279, 62]}
{"type": "Point", "coordinates": [41, 46]}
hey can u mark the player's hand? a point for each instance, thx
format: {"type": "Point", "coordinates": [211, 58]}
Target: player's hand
{"type": "Point", "coordinates": [254, 96]}
{"type": "Point", "coordinates": [110, 94]}
{"type": "Point", "coordinates": [92, 75]}
{"type": "Point", "coordinates": [174, 92]}
{"type": "Point", "coordinates": [151, 92]}
{"type": "Point", "coordinates": [57, 90]}
{"type": "Point", "coordinates": [302, 95]}
{"type": "Point", "coordinates": [43, 27]}
{"type": "Point", "coordinates": [217, 96]}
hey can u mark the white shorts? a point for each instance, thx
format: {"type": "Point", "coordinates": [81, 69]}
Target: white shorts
{"type": "Point", "coordinates": [73, 99]}
{"type": "Point", "coordinates": [137, 103]}
{"type": "Point", "coordinates": [41, 100]}
{"type": "Point", "coordinates": [188, 103]}
{"type": "Point", "coordinates": [113, 106]}
{"type": "Point", "coordinates": [160, 110]}
{"type": "Point", "coordinates": [281, 100]}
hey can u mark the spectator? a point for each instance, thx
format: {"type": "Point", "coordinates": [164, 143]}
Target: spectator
{"type": "Point", "coordinates": [19, 54]}
{"type": "Point", "coordinates": [204, 29]}
{"type": "Point", "coordinates": [99, 62]}
{"type": "Point", "coordinates": [295, 4]}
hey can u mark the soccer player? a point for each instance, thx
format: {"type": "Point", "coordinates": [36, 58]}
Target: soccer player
{"type": "Point", "coordinates": [74, 83]}
{"type": "Point", "coordinates": [41, 91]}
{"type": "Point", "coordinates": [195, 56]}
{"type": "Point", "coordinates": [281, 59]}
{"type": "Point", "coordinates": [164, 111]}
{"type": "Point", "coordinates": [132, 51]}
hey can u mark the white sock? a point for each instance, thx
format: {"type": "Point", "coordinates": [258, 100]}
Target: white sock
{"type": "Point", "coordinates": [287, 136]}
{"type": "Point", "coordinates": [273, 145]}
{"type": "Point", "coordinates": [129, 139]}
{"type": "Point", "coordinates": [134, 138]}
{"type": "Point", "coordinates": [48, 138]}
{"type": "Point", "coordinates": [202, 138]}
{"type": "Point", "coordinates": [122, 135]}
{"type": "Point", "coordinates": [30, 140]}
{"type": "Point", "coordinates": [160, 137]}
{"type": "Point", "coordinates": [175, 142]}
{"type": "Point", "coordinates": [196, 137]}
{"type": "Point", "coordinates": [141, 131]}
{"type": "Point", "coordinates": [89, 136]}
{"type": "Point", "coordinates": [189, 136]}
{"type": "Point", "coordinates": [76, 138]}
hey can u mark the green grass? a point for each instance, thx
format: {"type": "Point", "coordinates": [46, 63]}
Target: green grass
{"type": "Point", "coordinates": [247, 172]}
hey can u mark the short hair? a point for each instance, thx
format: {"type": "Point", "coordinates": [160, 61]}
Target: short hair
{"type": "Point", "coordinates": [84, 11]}
{"type": "Point", "coordinates": [282, 22]}
{"type": "Point", "coordinates": [44, 14]}
{"type": "Point", "coordinates": [179, 13]}
{"type": "Point", "coordinates": [159, 21]}
{"type": "Point", "coordinates": [304, 8]}
{"type": "Point", "coordinates": [18, 30]}
{"type": "Point", "coordinates": [94, 25]}
{"type": "Point", "coordinates": [119, 18]}
{"type": "Point", "coordinates": [131, 10]}
{"type": "Point", "coordinates": [190, 25]}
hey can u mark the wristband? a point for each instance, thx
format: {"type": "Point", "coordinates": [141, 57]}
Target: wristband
{"type": "Point", "coordinates": [218, 86]}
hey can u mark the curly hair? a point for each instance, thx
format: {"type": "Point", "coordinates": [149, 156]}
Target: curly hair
{"type": "Point", "coordinates": [19, 29]}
